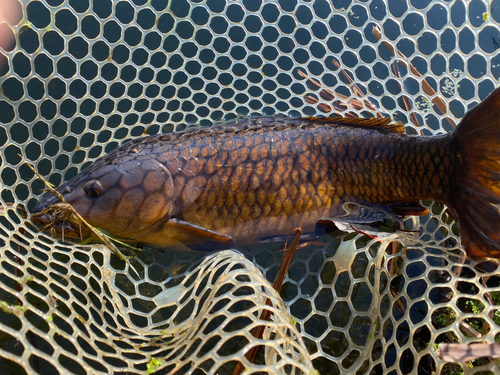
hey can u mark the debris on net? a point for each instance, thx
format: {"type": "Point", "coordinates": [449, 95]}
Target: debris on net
{"type": "Point", "coordinates": [464, 353]}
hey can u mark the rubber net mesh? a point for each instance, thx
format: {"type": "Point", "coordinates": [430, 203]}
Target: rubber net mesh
{"type": "Point", "coordinates": [82, 77]}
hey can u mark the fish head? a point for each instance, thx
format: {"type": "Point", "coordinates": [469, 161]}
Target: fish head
{"type": "Point", "coordinates": [123, 199]}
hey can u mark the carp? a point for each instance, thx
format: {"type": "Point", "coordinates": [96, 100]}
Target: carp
{"type": "Point", "coordinates": [257, 178]}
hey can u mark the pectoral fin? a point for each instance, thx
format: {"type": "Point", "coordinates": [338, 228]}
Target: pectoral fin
{"type": "Point", "coordinates": [198, 238]}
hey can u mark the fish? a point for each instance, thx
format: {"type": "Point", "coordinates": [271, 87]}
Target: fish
{"type": "Point", "coordinates": [254, 179]}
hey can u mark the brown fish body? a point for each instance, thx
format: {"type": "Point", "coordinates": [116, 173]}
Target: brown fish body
{"type": "Point", "coordinates": [261, 177]}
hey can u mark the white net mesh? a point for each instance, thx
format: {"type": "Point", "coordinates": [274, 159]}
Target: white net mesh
{"type": "Point", "coordinates": [81, 77]}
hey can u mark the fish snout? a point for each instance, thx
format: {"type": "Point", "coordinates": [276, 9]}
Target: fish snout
{"type": "Point", "coordinates": [51, 214]}
{"type": "Point", "coordinates": [42, 219]}
{"type": "Point", "coordinates": [45, 210]}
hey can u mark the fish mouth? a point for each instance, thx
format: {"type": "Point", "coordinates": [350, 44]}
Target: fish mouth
{"type": "Point", "coordinates": [60, 222]}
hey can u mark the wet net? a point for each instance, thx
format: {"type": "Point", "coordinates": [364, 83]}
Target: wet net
{"type": "Point", "coordinates": [81, 77]}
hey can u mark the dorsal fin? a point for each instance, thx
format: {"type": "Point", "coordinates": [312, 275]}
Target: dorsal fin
{"type": "Point", "coordinates": [378, 123]}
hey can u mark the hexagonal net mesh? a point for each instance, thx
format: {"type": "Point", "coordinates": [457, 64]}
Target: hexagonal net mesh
{"type": "Point", "coordinates": [80, 77]}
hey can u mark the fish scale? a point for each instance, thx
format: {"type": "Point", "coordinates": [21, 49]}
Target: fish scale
{"type": "Point", "coordinates": [296, 171]}
{"type": "Point", "coordinates": [259, 178]}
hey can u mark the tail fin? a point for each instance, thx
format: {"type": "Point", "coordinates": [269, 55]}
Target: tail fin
{"type": "Point", "coordinates": [476, 199]}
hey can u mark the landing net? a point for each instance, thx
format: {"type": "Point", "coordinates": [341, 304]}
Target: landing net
{"type": "Point", "coordinates": [81, 77]}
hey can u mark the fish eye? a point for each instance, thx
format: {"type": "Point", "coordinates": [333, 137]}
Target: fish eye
{"type": "Point", "coordinates": [93, 188]}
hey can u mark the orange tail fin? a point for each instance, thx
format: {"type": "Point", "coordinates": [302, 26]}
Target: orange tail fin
{"type": "Point", "coordinates": [476, 199]}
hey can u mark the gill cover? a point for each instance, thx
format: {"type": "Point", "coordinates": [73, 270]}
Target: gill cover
{"type": "Point", "coordinates": [123, 199]}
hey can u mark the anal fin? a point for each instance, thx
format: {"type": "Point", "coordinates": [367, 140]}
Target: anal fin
{"type": "Point", "coordinates": [359, 218]}
{"type": "Point", "coordinates": [373, 220]}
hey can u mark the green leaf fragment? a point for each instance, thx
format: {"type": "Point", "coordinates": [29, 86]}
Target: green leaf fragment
{"type": "Point", "coordinates": [26, 279]}
{"type": "Point", "coordinates": [87, 240]}
{"type": "Point", "coordinates": [152, 365]}
{"type": "Point", "coordinates": [12, 309]}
